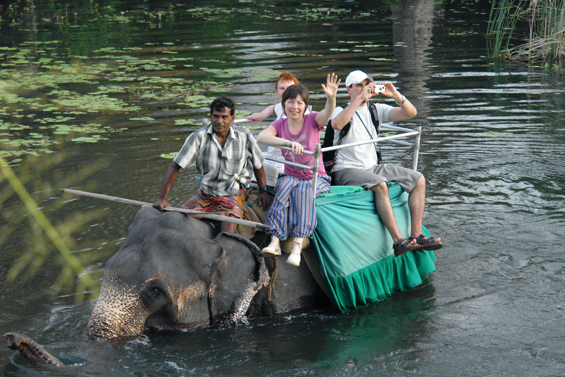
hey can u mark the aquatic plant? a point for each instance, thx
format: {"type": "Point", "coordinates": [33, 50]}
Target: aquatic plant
{"type": "Point", "coordinates": [546, 37]}
{"type": "Point", "coordinates": [504, 16]}
{"type": "Point", "coordinates": [25, 201]}
{"type": "Point", "coordinates": [325, 14]}
{"type": "Point", "coordinates": [40, 103]}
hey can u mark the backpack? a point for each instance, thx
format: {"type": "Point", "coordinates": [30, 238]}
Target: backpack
{"type": "Point", "coordinates": [329, 157]}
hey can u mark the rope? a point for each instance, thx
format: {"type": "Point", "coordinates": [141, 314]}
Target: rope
{"type": "Point", "coordinates": [272, 281]}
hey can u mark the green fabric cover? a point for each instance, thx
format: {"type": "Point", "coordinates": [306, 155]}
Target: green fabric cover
{"type": "Point", "coordinates": [343, 190]}
{"type": "Point", "coordinates": [355, 249]}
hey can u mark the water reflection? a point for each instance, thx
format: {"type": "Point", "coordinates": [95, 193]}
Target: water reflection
{"type": "Point", "coordinates": [411, 38]}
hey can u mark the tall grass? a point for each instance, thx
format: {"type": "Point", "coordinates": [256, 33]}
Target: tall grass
{"type": "Point", "coordinates": [504, 16]}
{"type": "Point", "coordinates": [546, 37]}
{"type": "Point", "coordinates": [24, 201]}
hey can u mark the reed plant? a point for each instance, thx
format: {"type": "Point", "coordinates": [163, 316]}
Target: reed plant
{"type": "Point", "coordinates": [545, 41]}
{"type": "Point", "coordinates": [25, 200]}
{"type": "Point", "coordinates": [503, 19]}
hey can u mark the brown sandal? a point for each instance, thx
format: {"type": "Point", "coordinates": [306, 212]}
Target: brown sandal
{"type": "Point", "coordinates": [427, 243]}
{"type": "Point", "coordinates": [401, 247]}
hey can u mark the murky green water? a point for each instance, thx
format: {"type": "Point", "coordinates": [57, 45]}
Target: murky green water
{"type": "Point", "coordinates": [121, 84]}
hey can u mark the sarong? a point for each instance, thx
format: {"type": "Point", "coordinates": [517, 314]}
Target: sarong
{"type": "Point", "coordinates": [221, 205]}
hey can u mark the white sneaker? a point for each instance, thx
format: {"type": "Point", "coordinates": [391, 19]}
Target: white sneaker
{"type": "Point", "coordinates": [273, 249]}
{"type": "Point", "coordinates": [293, 259]}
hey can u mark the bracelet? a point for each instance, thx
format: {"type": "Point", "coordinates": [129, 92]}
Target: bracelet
{"type": "Point", "coordinates": [403, 100]}
{"type": "Point", "coordinates": [263, 189]}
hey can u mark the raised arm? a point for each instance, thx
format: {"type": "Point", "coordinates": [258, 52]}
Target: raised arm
{"type": "Point", "coordinates": [258, 117]}
{"type": "Point", "coordinates": [332, 83]}
{"type": "Point", "coordinates": [345, 116]}
{"type": "Point", "coordinates": [405, 110]}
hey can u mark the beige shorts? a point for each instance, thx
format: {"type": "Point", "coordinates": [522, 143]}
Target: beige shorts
{"type": "Point", "coordinates": [406, 178]}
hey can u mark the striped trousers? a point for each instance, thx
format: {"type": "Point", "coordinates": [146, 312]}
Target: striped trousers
{"type": "Point", "coordinates": [293, 212]}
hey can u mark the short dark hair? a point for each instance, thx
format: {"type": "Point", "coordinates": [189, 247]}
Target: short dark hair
{"type": "Point", "coordinates": [220, 103]}
{"type": "Point", "coordinates": [294, 91]}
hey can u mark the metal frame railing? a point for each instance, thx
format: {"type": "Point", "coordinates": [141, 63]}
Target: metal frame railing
{"type": "Point", "coordinates": [404, 134]}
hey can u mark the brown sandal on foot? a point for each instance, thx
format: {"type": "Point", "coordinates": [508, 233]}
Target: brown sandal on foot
{"type": "Point", "coordinates": [427, 243]}
{"type": "Point", "coordinates": [401, 247]}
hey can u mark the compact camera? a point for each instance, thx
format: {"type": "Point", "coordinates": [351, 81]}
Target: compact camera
{"type": "Point", "coordinates": [379, 88]}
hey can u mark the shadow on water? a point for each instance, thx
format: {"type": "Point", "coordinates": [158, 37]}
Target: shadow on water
{"type": "Point", "coordinates": [125, 83]}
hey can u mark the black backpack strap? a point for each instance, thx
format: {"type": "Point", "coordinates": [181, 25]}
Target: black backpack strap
{"type": "Point", "coordinates": [329, 157]}
{"type": "Point", "coordinates": [328, 137]}
{"type": "Point", "coordinates": [375, 118]}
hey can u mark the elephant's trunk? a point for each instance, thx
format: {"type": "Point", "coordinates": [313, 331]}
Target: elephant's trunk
{"type": "Point", "coordinates": [118, 314]}
{"type": "Point", "coordinates": [31, 350]}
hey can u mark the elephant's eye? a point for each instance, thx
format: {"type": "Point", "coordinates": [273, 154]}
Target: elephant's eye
{"type": "Point", "coordinates": [156, 291]}
{"type": "Point", "coordinates": [154, 295]}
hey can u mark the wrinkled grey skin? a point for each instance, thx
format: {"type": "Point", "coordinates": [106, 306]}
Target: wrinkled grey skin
{"type": "Point", "coordinates": [31, 350]}
{"type": "Point", "coordinates": [174, 272]}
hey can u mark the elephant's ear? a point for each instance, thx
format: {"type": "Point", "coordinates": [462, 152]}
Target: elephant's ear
{"type": "Point", "coordinates": [239, 274]}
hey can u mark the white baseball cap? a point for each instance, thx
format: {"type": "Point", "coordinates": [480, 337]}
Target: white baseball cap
{"type": "Point", "coordinates": [356, 77]}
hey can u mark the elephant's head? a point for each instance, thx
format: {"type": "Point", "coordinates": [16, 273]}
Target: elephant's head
{"type": "Point", "coordinates": [172, 273]}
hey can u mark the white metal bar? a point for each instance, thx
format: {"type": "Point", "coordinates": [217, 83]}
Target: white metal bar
{"type": "Point", "coordinates": [317, 155]}
{"type": "Point", "coordinates": [396, 128]}
{"type": "Point", "coordinates": [379, 139]}
{"type": "Point", "coordinates": [406, 133]}
{"type": "Point", "coordinates": [290, 149]}
{"type": "Point", "coordinates": [403, 143]}
{"type": "Point", "coordinates": [417, 149]}
{"type": "Point", "coordinates": [290, 163]}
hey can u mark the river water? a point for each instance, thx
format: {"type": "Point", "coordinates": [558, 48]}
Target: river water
{"type": "Point", "coordinates": [134, 78]}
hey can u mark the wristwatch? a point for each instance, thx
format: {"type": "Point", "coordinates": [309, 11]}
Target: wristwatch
{"type": "Point", "coordinates": [263, 189]}
{"type": "Point", "coordinates": [401, 102]}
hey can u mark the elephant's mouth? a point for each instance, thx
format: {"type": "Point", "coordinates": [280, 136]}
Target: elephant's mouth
{"type": "Point", "coordinates": [102, 330]}
{"type": "Point", "coordinates": [163, 321]}
{"type": "Point", "coordinates": [160, 321]}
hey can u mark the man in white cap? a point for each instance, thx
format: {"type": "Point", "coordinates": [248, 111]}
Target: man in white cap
{"type": "Point", "coordinates": [359, 166]}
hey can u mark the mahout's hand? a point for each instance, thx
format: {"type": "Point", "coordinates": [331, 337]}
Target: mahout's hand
{"type": "Point", "coordinates": [265, 200]}
{"type": "Point", "coordinates": [161, 204]}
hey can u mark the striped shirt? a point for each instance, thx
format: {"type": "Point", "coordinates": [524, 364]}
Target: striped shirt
{"type": "Point", "coordinates": [218, 165]}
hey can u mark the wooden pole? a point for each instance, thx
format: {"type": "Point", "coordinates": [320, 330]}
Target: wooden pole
{"type": "Point", "coordinates": [190, 212]}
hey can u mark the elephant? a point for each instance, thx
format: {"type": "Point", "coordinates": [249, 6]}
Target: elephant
{"type": "Point", "coordinates": [177, 272]}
